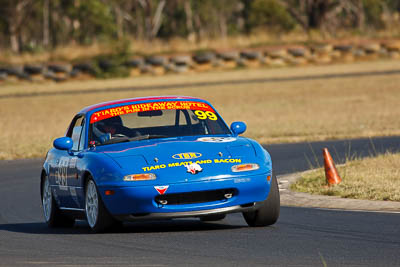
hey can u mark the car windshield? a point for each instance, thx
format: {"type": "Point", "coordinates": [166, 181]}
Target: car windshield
{"type": "Point", "coordinates": [154, 120]}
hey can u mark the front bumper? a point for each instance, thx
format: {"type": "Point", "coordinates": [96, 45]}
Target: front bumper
{"type": "Point", "coordinates": [135, 202]}
{"type": "Point", "coordinates": [199, 213]}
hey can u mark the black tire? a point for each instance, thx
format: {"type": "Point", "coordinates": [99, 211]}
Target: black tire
{"type": "Point", "coordinates": [85, 67]}
{"type": "Point", "coordinates": [343, 48]}
{"type": "Point", "coordinates": [74, 73]}
{"type": "Point", "coordinates": [232, 55]}
{"type": "Point", "coordinates": [156, 60]}
{"type": "Point", "coordinates": [181, 60]}
{"type": "Point", "coordinates": [268, 214]}
{"type": "Point", "coordinates": [33, 69]}
{"type": "Point", "coordinates": [297, 52]}
{"type": "Point", "coordinates": [203, 58]}
{"type": "Point", "coordinates": [213, 218]}
{"type": "Point", "coordinates": [251, 55]}
{"type": "Point", "coordinates": [59, 68]}
{"type": "Point", "coordinates": [106, 64]}
{"type": "Point", "coordinates": [134, 63]}
{"type": "Point", "coordinates": [98, 219]}
{"type": "Point", "coordinates": [18, 72]}
{"type": "Point", "coordinates": [52, 76]}
{"type": "Point", "coordinates": [3, 76]}
{"type": "Point", "coordinates": [54, 218]}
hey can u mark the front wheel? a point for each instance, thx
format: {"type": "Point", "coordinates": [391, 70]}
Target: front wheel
{"type": "Point", "coordinates": [97, 215]}
{"type": "Point", "coordinates": [268, 214]}
{"type": "Point", "coordinates": [52, 214]}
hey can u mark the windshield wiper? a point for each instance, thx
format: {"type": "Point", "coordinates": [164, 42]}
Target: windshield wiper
{"type": "Point", "coordinates": [146, 136]}
{"type": "Point", "coordinates": [122, 139]}
{"type": "Point", "coordinates": [155, 136]}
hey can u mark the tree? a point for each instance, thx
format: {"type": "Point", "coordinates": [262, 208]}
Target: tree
{"type": "Point", "coordinates": [16, 14]}
{"type": "Point", "coordinates": [214, 18]}
{"type": "Point", "coordinates": [324, 14]}
{"type": "Point", "coordinates": [270, 13]}
{"type": "Point", "coordinates": [50, 23]}
{"type": "Point", "coordinates": [373, 12]}
{"type": "Point", "coordinates": [153, 11]}
{"type": "Point", "coordinates": [93, 19]}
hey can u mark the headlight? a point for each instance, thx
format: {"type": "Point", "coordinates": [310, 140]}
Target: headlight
{"type": "Point", "coordinates": [245, 167]}
{"type": "Point", "coordinates": [140, 177]}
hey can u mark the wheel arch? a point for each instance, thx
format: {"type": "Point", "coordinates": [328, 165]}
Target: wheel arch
{"type": "Point", "coordinates": [42, 176]}
{"type": "Point", "coordinates": [85, 178]}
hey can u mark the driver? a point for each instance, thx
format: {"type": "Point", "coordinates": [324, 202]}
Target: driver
{"type": "Point", "coordinates": [111, 125]}
{"type": "Point", "coordinates": [105, 129]}
{"type": "Point", "coordinates": [108, 127]}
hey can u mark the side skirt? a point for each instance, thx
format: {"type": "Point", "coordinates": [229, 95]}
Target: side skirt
{"type": "Point", "coordinates": [74, 213]}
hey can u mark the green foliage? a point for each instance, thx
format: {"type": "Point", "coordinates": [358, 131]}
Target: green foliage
{"type": "Point", "coordinates": [270, 13]}
{"type": "Point", "coordinates": [213, 15]}
{"type": "Point", "coordinates": [122, 48]}
{"type": "Point", "coordinates": [174, 22]}
{"type": "Point", "coordinates": [110, 66]}
{"type": "Point", "coordinates": [373, 13]}
{"type": "Point", "coordinates": [92, 19]}
{"type": "Point", "coordinates": [393, 5]}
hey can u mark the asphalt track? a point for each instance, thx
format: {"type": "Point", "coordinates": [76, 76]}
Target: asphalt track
{"type": "Point", "coordinates": [301, 237]}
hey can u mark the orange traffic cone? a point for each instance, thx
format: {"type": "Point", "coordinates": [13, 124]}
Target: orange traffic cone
{"type": "Point", "coordinates": [331, 174]}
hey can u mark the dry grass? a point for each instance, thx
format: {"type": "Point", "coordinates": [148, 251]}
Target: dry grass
{"type": "Point", "coordinates": [370, 178]}
{"type": "Point", "coordinates": [61, 53]}
{"type": "Point", "coordinates": [274, 112]}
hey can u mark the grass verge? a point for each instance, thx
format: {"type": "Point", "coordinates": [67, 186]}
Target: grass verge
{"type": "Point", "coordinates": [375, 178]}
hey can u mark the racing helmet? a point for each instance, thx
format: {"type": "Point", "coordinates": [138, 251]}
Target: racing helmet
{"type": "Point", "coordinates": [110, 125]}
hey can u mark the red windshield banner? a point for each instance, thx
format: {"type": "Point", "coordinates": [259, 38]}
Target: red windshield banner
{"type": "Point", "coordinates": [112, 112]}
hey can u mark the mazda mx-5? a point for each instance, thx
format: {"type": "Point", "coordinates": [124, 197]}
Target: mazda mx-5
{"type": "Point", "coordinates": [156, 158]}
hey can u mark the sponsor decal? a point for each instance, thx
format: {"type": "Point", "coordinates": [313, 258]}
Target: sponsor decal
{"type": "Point", "coordinates": [166, 105]}
{"type": "Point", "coordinates": [154, 167]}
{"type": "Point", "coordinates": [184, 163]}
{"type": "Point", "coordinates": [216, 139]}
{"type": "Point", "coordinates": [241, 180]}
{"type": "Point", "coordinates": [61, 173]}
{"type": "Point", "coordinates": [187, 155]}
{"type": "Point", "coordinates": [161, 189]}
{"type": "Point", "coordinates": [72, 163]}
{"type": "Point", "coordinates": [202, 115]}
{"type": "Point", "coordinates": [193, 168]}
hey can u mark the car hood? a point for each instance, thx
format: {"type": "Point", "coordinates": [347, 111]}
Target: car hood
{"type": "Point", "coordinates": [167, 157]}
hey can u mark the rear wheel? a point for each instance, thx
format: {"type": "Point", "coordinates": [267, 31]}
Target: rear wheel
{"type": "Point", "coordinates": [52, 214]}
{"type": "Point", "coordinates": [98, 218]}
{"type": "Point", "coordinates": [268, 214]}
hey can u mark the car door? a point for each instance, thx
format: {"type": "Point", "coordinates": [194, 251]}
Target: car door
{"type": "Point", "coordinates": [66, 171]}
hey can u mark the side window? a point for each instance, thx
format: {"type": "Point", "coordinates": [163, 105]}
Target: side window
{"type": "Point", "coordinates": [76, 133]}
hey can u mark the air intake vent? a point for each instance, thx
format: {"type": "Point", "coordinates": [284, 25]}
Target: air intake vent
{"type": "Point", "coordinates": [195, 197]}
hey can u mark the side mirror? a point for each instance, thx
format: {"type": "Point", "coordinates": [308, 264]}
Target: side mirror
{"type": "Point", "coordinates": [63, 143]}
{"type": "Point", "coordinates": [238, 127]}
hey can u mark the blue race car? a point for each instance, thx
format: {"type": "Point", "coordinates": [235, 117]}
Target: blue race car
{"type": "Point", "coordinates": [156, 158]}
